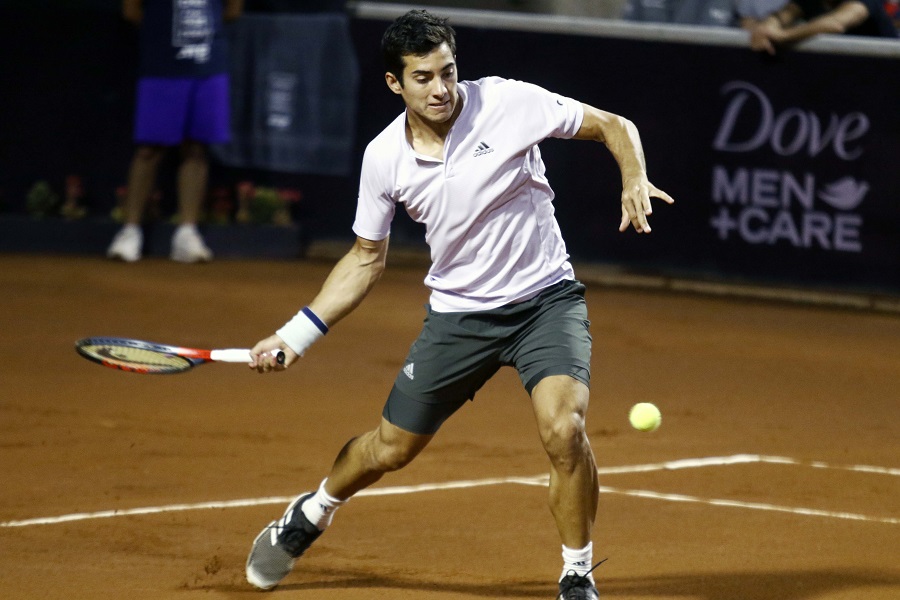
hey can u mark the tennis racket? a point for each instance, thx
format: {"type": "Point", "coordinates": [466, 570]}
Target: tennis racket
{"type": "Point", "coordinates": [138, 356]}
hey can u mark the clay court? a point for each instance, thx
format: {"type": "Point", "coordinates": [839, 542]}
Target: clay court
{"type": "Point", "coordinates": [775, 474]}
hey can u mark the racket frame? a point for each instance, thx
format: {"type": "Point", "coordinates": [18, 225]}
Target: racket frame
{"type": "Point", "coordinates": [191, 357]}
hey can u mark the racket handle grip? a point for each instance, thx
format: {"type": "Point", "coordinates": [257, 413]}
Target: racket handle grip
{"type": "Point", "coordinates": [233, 355]}
{"type": "Point", "coordinates": [237, 355]}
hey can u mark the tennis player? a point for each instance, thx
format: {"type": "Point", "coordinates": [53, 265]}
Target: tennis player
{"type": "Point", "coordinates": [463, 159]}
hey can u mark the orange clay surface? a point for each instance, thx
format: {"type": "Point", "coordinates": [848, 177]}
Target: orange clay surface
{"type": "Point", "coordinates": [775, 474]}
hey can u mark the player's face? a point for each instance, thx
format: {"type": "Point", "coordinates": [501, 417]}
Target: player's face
{"type": "Point", "coordinates": [429, 85]}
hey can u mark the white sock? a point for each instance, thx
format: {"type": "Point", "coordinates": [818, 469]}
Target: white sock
{"type": "Point", "coordinates": [321, 507]}
{"type": "Point", "coordinates": [578, 561]}
{"type": "Point", "coordinates": [132, 228]}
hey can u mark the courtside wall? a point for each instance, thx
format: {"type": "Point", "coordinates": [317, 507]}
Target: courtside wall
{"type": "Point", "coordinates": [784, 169]}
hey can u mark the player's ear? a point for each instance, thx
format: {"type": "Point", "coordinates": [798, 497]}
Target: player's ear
{"type": "Point", "coordinates": [393, 83]}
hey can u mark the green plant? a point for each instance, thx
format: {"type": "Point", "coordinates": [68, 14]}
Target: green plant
{"type": "Point", "coordinates": [41, 200]}
{"type": "Point", "coordinates": [264, 205]}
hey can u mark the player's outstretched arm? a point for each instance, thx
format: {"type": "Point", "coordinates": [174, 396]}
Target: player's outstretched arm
{"type": "Point", "coordinates": [349, 282]}
{"type": "Point", "coordinates": [622, 139]}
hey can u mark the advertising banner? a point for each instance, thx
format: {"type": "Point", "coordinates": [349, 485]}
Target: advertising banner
{"type": "Point", "coordinates": [784, 170]}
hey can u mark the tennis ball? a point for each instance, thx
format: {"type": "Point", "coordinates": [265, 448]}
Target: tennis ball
{"type": "Point", "coordinates": [645, 417]}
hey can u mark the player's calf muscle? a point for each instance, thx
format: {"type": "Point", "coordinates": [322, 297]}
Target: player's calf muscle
{"type": "Point", "coordinates": [376, 453]}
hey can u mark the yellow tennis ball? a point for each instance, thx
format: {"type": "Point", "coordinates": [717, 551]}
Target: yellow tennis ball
{"type": "Point", "coordinates": [644, 416]}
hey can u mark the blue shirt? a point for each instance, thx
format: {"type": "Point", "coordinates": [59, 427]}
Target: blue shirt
{"type": "Point", "coordinates": [182, 38]}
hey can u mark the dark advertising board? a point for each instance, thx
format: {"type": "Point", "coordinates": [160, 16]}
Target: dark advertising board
{"type": "Point", "coordinates": [785, 170]}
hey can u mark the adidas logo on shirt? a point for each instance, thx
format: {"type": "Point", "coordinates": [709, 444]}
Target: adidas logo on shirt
{"type": "Point", "coordinates": [408, 370]}
{"type": "Point", "coordinates": [482, 149]}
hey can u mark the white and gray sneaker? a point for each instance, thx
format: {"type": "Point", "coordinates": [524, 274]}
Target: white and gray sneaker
{"type": "Point", "coordinates": [127, 244]}
{"type": "Point", "coordinates": [279, 545]}
{"type": "Point", "coordinates": [188, 246]}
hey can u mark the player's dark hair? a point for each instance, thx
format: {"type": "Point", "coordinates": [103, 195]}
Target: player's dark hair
{"type": "Point", "coordinates": [416, 33]}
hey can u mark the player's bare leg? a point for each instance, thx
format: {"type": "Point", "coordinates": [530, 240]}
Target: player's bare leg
{"type": "Point", "coordinates": [365, 459]}
{"type": "Point", "coordinates": [560, 403]}
{"type": "Point", "coordinates": [362, 462]}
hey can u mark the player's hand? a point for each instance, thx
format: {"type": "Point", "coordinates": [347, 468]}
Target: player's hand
{"type": "Point", "coordinates": [264, 355]}
{"type": "Point", "coordinates": [636, 194]}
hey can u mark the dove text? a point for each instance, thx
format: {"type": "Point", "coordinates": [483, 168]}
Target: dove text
{"type": "Point", "coordinates": [750, 122]}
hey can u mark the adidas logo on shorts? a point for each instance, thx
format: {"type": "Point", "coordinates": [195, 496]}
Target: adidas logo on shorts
{"type": "Point", "coordinates": [408, 370]}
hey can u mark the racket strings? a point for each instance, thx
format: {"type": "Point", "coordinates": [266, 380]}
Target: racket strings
{"type": "Point", "coordinates": [137, 358]}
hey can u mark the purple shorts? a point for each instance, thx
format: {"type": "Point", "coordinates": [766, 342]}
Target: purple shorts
{"type": "Point", "coordinates": [170, 111]}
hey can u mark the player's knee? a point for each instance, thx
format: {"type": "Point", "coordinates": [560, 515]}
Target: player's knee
{"type": "Point", "coordinates": [564, 438]}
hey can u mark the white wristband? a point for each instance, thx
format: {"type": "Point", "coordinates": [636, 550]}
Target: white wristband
{"type": "Point", "coordinates": [300, 332]}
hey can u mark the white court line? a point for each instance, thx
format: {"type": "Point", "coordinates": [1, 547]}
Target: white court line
{"type": "Point", "coordinates": [812, 512]}
{"type": "Point", "coordinates": [538, 480]}
{"type": "Point", "coordinates": [693, 463]}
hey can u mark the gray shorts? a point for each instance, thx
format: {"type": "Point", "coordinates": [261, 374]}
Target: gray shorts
{"type": "Point", "coordinates": [457, 353]}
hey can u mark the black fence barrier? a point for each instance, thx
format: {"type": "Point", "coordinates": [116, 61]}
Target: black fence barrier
{"type": "Point", "coordinates": [785, 169]}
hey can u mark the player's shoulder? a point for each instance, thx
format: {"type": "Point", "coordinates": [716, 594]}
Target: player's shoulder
{"type": "Point", "coordinates": [492, 83]}
{"type": "Point", "coordinates": [502, 88]}
{"type": "Point", "coordinates": [385, 143]}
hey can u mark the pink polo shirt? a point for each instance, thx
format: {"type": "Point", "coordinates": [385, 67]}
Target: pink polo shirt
{"type": "Point", "coordinates": [487, 207]}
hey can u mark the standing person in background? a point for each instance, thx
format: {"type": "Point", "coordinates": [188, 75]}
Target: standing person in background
{"type": "Point", "coordinates": [182, 100]}
{"type": "Point", "coordinates": [463, 159]}
{"type": "Point", "coordinates": [750, 13]}
{"type": "Point", "coordinates": [802, 19]}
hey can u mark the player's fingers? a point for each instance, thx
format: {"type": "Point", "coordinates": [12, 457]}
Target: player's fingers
{"type": "Point", "coordinates": [625, 221]}
{"type": "Point", "coordinates": [261, 361]}
{"type": "Point", "coordinates": [642, 226]}
{"type": "Point", "coordinates": [283, 358]}
{"type": "Point", "coordinates": [658, 193]}
{"type": "Point", "coordinates": [635, 217]}
{"type": "Point", "coordinates": [275, 359]}
{"type": "Point", "coordinates": [258, 363]}
{"type": "Point", "coordinates": [642, 209]}
{"type": "Point", "coordinates": [645, 202]}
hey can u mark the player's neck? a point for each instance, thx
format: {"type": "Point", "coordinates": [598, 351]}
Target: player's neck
{"type": "Point", "coordinates": [428, 137]}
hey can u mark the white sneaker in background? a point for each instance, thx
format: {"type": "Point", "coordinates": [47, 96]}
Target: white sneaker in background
{"type": "Point", "coordinates": [188, 246]}
{"type": "Point", "coordinates": [127, 244]}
